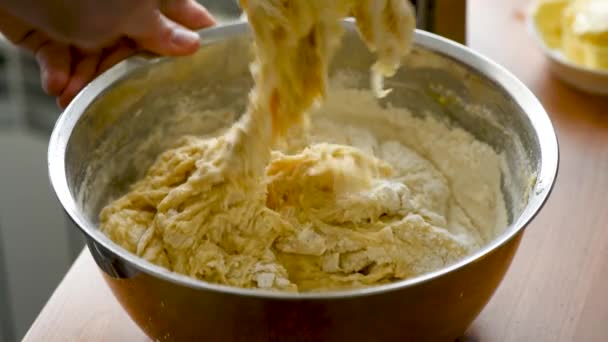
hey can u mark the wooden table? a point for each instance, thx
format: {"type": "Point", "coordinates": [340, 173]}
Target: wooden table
{"type": "Point", "coordinates": [557, 287]}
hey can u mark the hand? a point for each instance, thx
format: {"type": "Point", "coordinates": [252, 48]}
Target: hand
{"type": "Point", "coordinates": [94, 35]}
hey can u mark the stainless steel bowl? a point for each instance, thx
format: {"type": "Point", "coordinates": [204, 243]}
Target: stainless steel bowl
{"type": "Point", "coordinates": [110, 134]}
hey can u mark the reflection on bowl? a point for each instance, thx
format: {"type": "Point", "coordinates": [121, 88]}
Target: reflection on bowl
{"type": "Point", "coordinates": [92, 159]}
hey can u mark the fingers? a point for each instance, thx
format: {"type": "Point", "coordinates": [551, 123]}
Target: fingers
{"type": "Point", "coordinates": [20, 33]}
{"type": "Point", "coordinates": [188, 13]}
{"type": "Point", "coordinates": [114, 55]}
{"type": "Point", "coordinates": [14, 29]}
{"type": "Point", "coordinates": [33, 40]}
{"type": "Point", "coordinates": [158, 34]}
{"type": "Point", "coordinates": [54, 60]}
{"type": "Point", "coordinates": [86, 67]}
{"type": "Point", "coordinates": [84, 71]}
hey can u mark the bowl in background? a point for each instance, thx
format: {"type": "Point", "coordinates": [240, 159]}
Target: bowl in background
{"type": "Point", "coordinates": [589, 80]}
{"type": "Point", "coordinates": [109, 135]}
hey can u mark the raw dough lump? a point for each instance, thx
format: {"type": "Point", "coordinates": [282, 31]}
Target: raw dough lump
{"type": "Point", "coordinates": [374, 195]}
{"type": "Point", "coordinates": [347, 195]}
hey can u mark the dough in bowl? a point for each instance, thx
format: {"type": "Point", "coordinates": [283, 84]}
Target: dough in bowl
{"type": "Point", "coordinates": [347, 195]}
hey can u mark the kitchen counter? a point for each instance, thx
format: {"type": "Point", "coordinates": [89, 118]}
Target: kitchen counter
{"type": "Point", "coordinates": [556, 287]}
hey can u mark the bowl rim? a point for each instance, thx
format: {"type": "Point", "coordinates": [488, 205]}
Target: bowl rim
{"type": "Point", "coordinates": [520, 94]}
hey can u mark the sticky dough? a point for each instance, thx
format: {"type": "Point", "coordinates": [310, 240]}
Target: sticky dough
{"type": "Point", "coordinates": [358, 195]}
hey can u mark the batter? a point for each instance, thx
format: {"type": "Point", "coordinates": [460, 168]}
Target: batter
{"type": "Point", "coordinates": [358, 195]}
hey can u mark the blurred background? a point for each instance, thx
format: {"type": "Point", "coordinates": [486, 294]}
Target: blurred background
{"type": "Point", "coordinates": [38, 243]}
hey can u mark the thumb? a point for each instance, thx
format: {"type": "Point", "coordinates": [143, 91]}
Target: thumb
{"type": "Point", "coordinates": [160, 35]}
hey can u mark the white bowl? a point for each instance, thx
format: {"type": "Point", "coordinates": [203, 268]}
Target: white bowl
{"type": "Point", "coordinates": [589, 80]}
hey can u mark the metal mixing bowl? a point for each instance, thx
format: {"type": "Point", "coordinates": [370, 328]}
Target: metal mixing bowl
{"type": "Point", "coordinates": [111, 132]}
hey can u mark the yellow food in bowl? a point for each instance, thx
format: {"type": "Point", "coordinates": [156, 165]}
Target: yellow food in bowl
{"type": "Point", "coordinates": [577, 28]}
{"type": "Point", "coordinates": [237, 209]}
